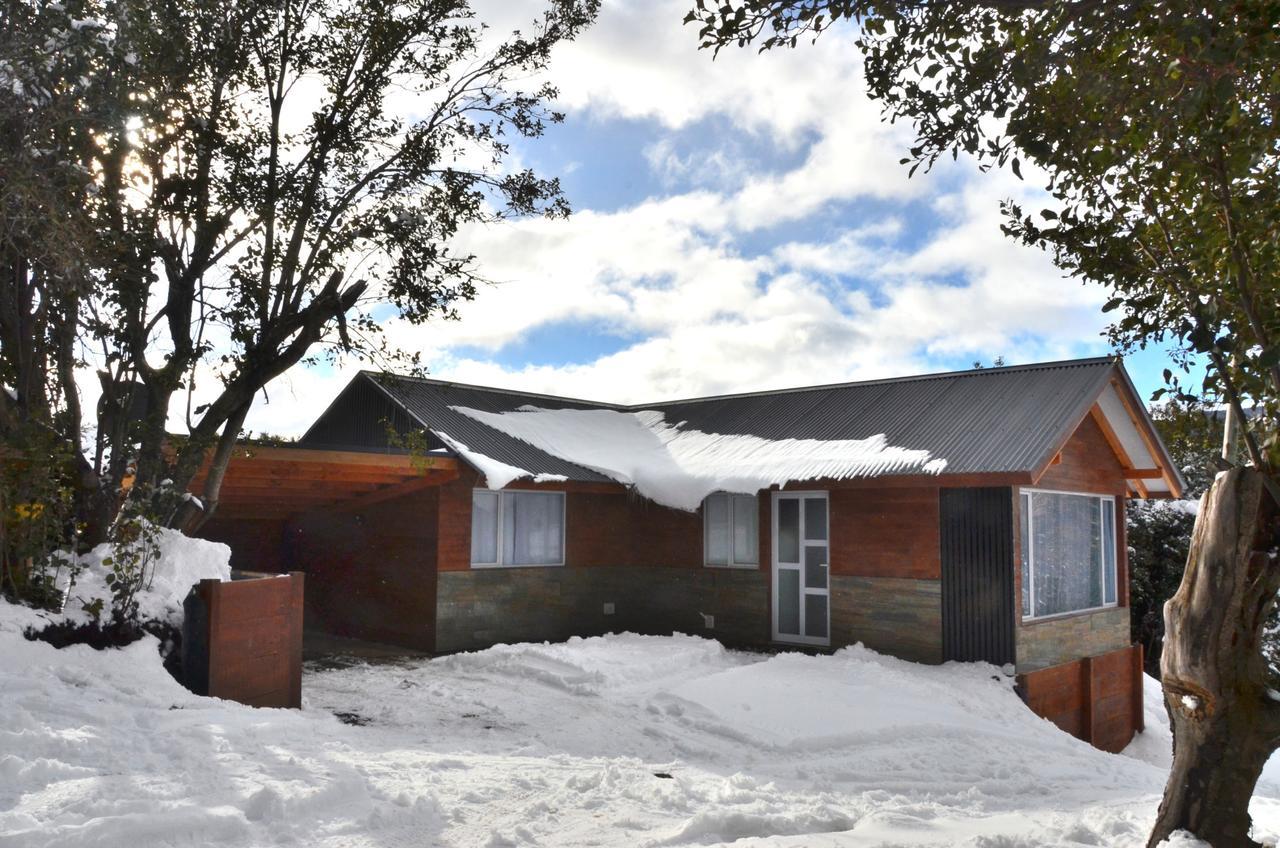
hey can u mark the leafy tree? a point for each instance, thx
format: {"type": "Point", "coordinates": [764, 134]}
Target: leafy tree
{"type": "Point", "coordinates": [1159, 531]}
{"type": "Point", "coordinates": [1155, 125]}
{"type": "Point", "coordinates": [261, 184]}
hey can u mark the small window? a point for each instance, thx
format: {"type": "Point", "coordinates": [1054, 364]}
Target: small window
{"type": "Point", "coordinates": [1068, 553]}
{"type": "Point", "coordinates": [517, 528]}
{"type": "Point", "coordinates": [731, 530]}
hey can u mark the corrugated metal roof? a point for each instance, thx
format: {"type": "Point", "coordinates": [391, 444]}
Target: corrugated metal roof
{"type": "Point", "coordinates": [429, 402]}
{"type": "Point", "coordinates": [994, 420]}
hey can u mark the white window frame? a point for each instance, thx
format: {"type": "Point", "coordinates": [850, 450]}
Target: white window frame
{"type": "Point", "coordinates": [503, 494]}
{"type": "Point", "coordinates": [730, 562]}
{"type": "Point", "coordinates": [1029, 567]}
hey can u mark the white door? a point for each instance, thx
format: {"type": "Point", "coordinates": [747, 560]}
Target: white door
{"type": "Point", "coordinates": [801, 556]}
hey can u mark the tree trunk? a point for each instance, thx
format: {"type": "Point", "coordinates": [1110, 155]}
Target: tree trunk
{"type": "Point", "coordinates": [1225, 724]}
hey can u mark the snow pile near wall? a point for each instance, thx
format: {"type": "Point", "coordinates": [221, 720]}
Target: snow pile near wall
{"type": "Point", "coordinates": [679, 467]}
{"type": "Point", "coordinates": [181, 563]}
{"type": "Point", "coordinates": [621, 741]}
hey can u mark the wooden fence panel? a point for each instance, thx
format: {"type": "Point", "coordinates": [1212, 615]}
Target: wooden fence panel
{"type": "Point", "coordinates": [242, 640]}
{"type": "Point", "coordinates": [1097, 699]}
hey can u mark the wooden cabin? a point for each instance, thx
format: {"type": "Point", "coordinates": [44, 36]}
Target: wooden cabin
{"type": "Point", "coordinates": [1013, 553]}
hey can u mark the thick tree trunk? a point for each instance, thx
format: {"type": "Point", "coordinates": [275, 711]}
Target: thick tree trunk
{"type": "Point", "coordinates": [1225, 723]}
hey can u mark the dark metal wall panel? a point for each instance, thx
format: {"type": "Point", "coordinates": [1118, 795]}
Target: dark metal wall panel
{"type": "Point", "coordinates": [977, 574]}
{"type": "Point", "coordinates": [358, 419]}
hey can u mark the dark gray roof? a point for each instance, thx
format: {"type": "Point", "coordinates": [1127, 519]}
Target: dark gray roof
{"type": "Point", "coordinates": [981, 421]}
{"type": "Point", "coordinates": [429, 400]}
{"type": "Point", "coordinates": [991, 420]}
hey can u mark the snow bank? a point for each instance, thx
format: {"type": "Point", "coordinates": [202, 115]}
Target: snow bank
{"type": "Point", "coordinates": [677, 467]}
{"type": "Point", "coordinates": [181, 563]}
{"type": "Point", "coordinates": [105, 749]}
{"type": "Point", "coordinates": [620, 741]}
{"type": "Point", "coordinates": [590, 666]}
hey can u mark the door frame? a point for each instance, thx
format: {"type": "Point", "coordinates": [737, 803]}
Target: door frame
{"type": "Point", "coordinates": [775, 568]}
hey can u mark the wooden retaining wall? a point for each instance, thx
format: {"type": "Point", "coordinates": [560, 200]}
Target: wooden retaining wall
{"type": "Point", "coordinates": [242, 640]}
{"type": "Point", "coordinates": [1097, 699]}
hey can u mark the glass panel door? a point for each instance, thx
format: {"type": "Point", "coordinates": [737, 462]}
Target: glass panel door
{"type": "Point", "coordinates": [801, 563]}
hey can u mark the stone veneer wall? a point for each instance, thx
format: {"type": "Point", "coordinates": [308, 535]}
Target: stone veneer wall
{"type": "Point", "coordinates": [893, 615]}
{"type": "Point", "coordinates": [1059, 640]}
{"type": "Point", "coordinates": [480, 607]}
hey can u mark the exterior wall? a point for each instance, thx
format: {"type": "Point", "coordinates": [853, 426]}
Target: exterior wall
{"type": "Point", "coordinates": [1097, 699]}
{"type": "Point", "coordinates": [893, 615]}
{"type": "Point", "coordinates": [648, 561]}
{"type": "Point", "coordinates": [1057, 640]}
{"type": "Point", "coordinates": [481, 607]}
{"type": "Point", "coordinates": [371, 574]}
{"type": "Point", "coordinates": [886, 570]}
{"type": "Point", "coordinates": [256, 545]}
{"type": "Point", "coordinates": [644, 559]}
{"type": "Point", "coordinates": [885, 532]}
{"type": "Point", "coordinates": [1088, 465]}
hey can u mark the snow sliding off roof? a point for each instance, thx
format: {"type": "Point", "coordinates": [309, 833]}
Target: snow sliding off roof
{"type": "Point", "coordinates": [679, 467]}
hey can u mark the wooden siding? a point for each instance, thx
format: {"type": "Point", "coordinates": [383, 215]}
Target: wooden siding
{"type": "Point", "coordinates": [371, 573]}
{"type": "Point", "coordinates": [256, 545]}
{"type": "Point", "coordinates": [885, 533]}
{"type": "Point", "coordinates": [1088, 464]}
{"type": "Point", "coordinates": [242, 640]}
{"type": "Point", "coordinates": [1097, 699]}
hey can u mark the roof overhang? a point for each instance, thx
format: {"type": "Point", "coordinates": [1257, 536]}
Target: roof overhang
{"type": "Point", "coordinates": [271, 483]}
{"type": "Point", "coordinates": [1121, 416]}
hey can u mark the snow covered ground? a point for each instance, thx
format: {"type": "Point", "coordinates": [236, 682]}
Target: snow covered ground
{"type": "Point", "coordinates": [617, 741]}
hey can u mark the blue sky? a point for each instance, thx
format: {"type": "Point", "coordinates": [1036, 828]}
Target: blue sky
{"type": "Point", "coordinates": [739, 224]}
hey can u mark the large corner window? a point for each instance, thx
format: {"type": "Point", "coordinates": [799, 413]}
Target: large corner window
{"type": "Point", "coordinates": [731, 530]}
{"type": "Point", "coordinates": [1068, 553]}
{"type": "Point", "coordinates": [516, 528]}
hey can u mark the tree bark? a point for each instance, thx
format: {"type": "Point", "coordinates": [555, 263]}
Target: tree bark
{"type": "Point", "coordinates": [1225, 722]}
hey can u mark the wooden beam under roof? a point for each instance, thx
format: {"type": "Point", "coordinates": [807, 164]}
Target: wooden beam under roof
{"type": "Point", "coordinates": [279, 482]}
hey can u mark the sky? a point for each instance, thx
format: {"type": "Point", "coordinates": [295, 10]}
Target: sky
{"type": "Point", "coordinates": [740, 223]}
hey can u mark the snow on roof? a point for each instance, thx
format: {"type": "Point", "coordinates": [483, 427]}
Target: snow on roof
{"type": "Point", "coordinates": [679, 467]}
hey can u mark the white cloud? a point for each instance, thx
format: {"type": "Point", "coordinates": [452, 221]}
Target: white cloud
{"type": "Point", "coordinates": [683, 273]}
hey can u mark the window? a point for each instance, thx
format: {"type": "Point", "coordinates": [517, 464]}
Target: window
{"type": "Point", "coordinates": [517, 528]}
{"type": "Point", "coordinates": [731, 530]}
{"type": "Point", "coordinates": [1068, 553]}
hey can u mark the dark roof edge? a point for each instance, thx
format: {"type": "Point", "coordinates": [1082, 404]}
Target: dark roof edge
{"type": "Point", "coordinates": [333, 403]}
{"type": "Point", "coordinates": [939, 375]}
{"type": "Point", "coordinates": [1075, 419]}
{"type": "Point", "coordinates": [436, 431]}
{"type": "Point", "coordinates": [375, 375]}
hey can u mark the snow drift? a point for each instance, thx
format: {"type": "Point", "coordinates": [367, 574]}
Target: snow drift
{"type": "Point", "coordinates": [620, 741]}
{"type": "Point", "coordinates": [679, 467]}
{"type": "Point", "coordinates": [181, 563]}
